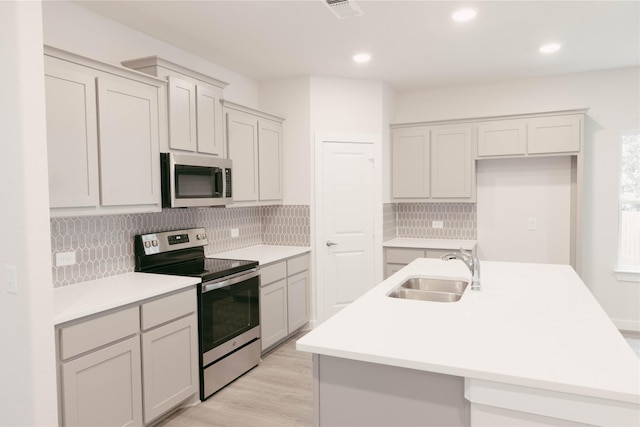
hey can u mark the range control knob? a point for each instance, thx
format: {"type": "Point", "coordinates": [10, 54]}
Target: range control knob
{"type": "Point", "coordinates": [154, 242]}
{"type": "Point", "coordinates": [147, 244]}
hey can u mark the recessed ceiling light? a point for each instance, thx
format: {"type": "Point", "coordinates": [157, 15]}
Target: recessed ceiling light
{"type": "Point", "coordinates": [361, 58]}
{"type": "Point", "coordinates": [464, 15]}
{"type": "Point", "coordinates": [550, 48]}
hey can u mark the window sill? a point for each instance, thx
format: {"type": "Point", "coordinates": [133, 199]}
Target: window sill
{"type": "Point", "coordinates": [627, 274]}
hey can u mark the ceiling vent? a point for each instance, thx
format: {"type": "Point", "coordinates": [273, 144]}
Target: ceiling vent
{"type": "Point", "coordinates": [343, 8]}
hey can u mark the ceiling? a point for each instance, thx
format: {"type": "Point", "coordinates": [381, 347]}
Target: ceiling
{"type": "Point", "coordinates": [414, 44]}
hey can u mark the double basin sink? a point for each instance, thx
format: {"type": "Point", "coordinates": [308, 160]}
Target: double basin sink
{"type": "Point", "coordinates": [430, 289]}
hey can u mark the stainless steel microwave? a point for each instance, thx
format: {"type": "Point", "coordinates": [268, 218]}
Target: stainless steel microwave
{"type": "Point", "coordinates": [190, 181]}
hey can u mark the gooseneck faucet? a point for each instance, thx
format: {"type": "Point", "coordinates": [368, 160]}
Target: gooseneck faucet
{"type": "Point", "coordinates": [471, 262]}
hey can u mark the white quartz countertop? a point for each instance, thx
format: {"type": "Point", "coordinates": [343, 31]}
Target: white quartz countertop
{"type": "Point", "coordinates": [532, 325]}
{"type": "Point", "coordinates": [84, 299]}
{"type": "Point", "coordinates": [264, 254]}
{"type": "Point", "coordinates": [453, 244]}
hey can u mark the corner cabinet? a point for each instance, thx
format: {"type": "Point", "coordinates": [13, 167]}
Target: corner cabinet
{"type": "Point", "coordinates": [254, 145]}
{"type": "Point", "coordinates": [284, 299]}
{"type": "Point", "coordinates": [103, 133]}
{"type": "Point", "coordinates": [195, 111]}
{"type": "Point", "coordinates": [433, 163]}
{"type": "Point", "coordinates": [112, 373]}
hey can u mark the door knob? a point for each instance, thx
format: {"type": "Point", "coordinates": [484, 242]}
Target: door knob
{"type": "Point", "coordinates": [330, 243]}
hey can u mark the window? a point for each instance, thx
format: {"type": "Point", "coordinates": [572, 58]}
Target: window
{"type": "Point", "coordinates": [629, 233]}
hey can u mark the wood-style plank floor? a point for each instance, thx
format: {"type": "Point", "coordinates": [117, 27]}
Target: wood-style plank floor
{"type": "Point", "coordinates": [278, 392]}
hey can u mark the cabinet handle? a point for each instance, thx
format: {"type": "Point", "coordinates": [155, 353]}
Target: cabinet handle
{"type": "Point", "coordinates": [330, 243]}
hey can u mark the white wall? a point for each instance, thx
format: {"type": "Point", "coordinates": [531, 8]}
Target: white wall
{"type": "Point", "coordinates": [27, 350]}
{"type": "Point", "coordinates": [290, 98]}
{"type": "Point", "coordinates": [510, 192]}
{"type": "Point", "coordinates": [71, 27]}
{"type": "Point", "coordinates": [614, 105]}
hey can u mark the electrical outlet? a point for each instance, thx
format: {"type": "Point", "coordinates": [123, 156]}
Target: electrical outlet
{"type": "Point", "coordinates": [437, 224]}
{"type": "Point", "coordinates": [533, 224]}
{"type": "Point", "coordinates": [235, 232]}
{"type": "Point", "coordinates": [65, 258]}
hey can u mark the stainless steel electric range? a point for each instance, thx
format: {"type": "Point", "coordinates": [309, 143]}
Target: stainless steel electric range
{"type": "Point", "coordinates": [228, 301]}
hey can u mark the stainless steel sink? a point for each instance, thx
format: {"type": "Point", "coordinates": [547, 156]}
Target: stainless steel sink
{"type": "Point", "coordinates": [435, 285]}
{"type": "Point", "coordinates": [429, 289]}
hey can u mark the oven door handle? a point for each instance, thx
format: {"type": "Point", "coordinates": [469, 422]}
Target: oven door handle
{"type": "Point", "coordinates": [231, 280]}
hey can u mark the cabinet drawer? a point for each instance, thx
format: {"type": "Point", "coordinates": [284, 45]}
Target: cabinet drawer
{"type": "Point", "coordinates": [94, 333]}
{"type": "Point", "coordinates": [272, 272]}
{"type": "Point", "coordinates": [437, 253]}
{"type": "Point", "coordinates": [403, 256]}
{"type": "Point", "coordinates": [166, 309]}
{"type": "Point", "coordinates": [297, 264]}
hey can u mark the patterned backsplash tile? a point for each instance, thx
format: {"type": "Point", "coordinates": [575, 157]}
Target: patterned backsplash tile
{"type": "Point", "coordinates": [389, 221]}
{"type": "Point", "coordinates": [104, 244]}
{"type": "Point", "coordinates": [414, 220]}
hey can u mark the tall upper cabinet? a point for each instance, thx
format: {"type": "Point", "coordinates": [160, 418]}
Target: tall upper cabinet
{"type": "Point", "coordinates": [195, 110]}
{"type": "Point", "coordinates": [103, 133]}
{"type": "Point", "coordinates": [254, 144]}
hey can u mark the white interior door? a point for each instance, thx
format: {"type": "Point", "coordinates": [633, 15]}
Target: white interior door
{"type": "Point", "coordinates": [346, 226]}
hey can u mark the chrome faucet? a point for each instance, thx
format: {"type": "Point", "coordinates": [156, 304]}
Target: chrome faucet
{"type": "Point", "coordinates": [471, 262]}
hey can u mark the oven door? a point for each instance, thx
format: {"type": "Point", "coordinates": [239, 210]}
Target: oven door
{"type": "Point", "coordinates": [229, 315]}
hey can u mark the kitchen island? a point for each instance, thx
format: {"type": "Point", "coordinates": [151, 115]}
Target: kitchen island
{"type": "Point", "coordinates": [533, 347]}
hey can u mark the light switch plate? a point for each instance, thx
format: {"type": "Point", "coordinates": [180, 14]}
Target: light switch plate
{"type": "Point", "coordinates": [437, 224]}
{"type": "Point", "coordinates": [533, 224]}
{"type": "Point", "coordinates": [235, 232]}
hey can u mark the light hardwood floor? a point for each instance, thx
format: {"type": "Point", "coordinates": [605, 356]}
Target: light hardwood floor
{"type": "Point", "coordinates": [278, 392]}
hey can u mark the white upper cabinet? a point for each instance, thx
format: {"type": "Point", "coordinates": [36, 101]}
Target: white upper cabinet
{"type": "Point", "coordinates": [433, 163]}
{"type": "Point", "coordinates": [452, 164]}
{"type": "Point", "coordinates": [537, 135]}
{"type": "Point", "coordinates": [195, 111]}
{"type": "Point", "coordinates": [560, 134]}
{"type": "Point", "coordinates": [254, 145]}
{"type": "Point", "coordinates": [182, 114]}
{"type": "Point", "coordinates": [410, 167]}
{"type": "Point", "coordinates": [103, 136]}
{"type": "Point", "coordinates": [72, 135]}
{"type": "Point", "coordinates": [129, 143]}
{"type": "Point", "coordinates": [502, 138]}
{"type": "Point", "coordinates": [242, 137]}
{"type": "Point", "coordinates": [270, 159]}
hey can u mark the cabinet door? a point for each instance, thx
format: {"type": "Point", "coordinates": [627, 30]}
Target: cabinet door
{"type": "Point", "coordinates": [452, 165]}
{"type": "Point", "coordinates": [209, 121]}
{"type": "Point", "coordinates": [273, 313]}
{"type": "Point", "coordinates": [298, 300]}
{"type": "Point", "coordinates": [170, 365]}
{"type": "Point", "coordinates": [242, 141]}
{"type": "Point", "coordinates": [104, 387]}
{"type": "Point", "coordinates": [410, 163]}
{"type": "Point", "coordinates": [390, 269]}
{"type": "Point", "coordinates": [182, 114]}
{"type": "Point", "coordinates": [559, 134]}
{"type": "Point", "coordinates": [72, 135]}
{"type": "Point", "coordinates": [129, 144]}
{"type": "Point", "coordinates": [502, 138]}
{"type": "Point", "coordinates": [270, 160]}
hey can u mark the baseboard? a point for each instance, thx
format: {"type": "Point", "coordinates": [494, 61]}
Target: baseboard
{"type": "Point", "coordinates": [627, 325]}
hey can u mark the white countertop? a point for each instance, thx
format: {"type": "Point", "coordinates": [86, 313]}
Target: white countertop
{"type": "Point", "coordinates": [453, 244]}
{"type": "Point", "coordinates": [264, 254]}
{"type": "Point", "coordinates": [532, 325]}
{"type": "Point", "coordinates": [83, 299]}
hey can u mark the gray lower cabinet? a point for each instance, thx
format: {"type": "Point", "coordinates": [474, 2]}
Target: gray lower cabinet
{"type": "Point", "coordinates": [109, 370]}
{"type": "Point", "coordinates": [397, 258]}
{"type": "Point", "coordinates": [284, 299]}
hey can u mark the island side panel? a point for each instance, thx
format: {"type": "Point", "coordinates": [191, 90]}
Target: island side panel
{"type": "Point", "coordinates": [353, 393]}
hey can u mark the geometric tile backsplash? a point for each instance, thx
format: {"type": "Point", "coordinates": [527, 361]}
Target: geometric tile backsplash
{"type": "Point", "coordinates": [414, 220]}
{"type": "Point", "coordinates": [104, 244]}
